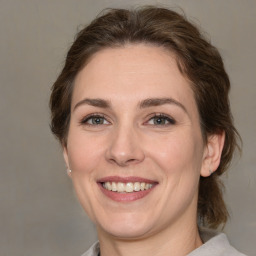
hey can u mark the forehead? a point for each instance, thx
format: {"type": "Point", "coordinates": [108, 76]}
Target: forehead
{"type": "Point", "coordinates": [131, 73]}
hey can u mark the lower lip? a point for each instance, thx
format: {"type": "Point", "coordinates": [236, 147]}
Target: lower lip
{"type": "Point", "coordinates": [125, 197]}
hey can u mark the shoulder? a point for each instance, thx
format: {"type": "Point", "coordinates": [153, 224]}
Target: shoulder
{"type": "Point", "coordinates": [93, 250]}
{"type": "Point", "coordinates": [215, 244]}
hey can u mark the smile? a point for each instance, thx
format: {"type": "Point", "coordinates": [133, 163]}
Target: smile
{"type": "Point", "coordinates": [129, 187]}
{"type": "Point", "coordinates": [126, 189]}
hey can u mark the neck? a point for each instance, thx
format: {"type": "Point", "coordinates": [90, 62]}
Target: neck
{"type": "Point", "coordinates": [175, 241]}
{"type": "Point", "coordinates": [179, 237]}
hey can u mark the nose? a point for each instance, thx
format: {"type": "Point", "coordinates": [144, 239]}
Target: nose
{"type": "Point", "coordinates": [125, 147]}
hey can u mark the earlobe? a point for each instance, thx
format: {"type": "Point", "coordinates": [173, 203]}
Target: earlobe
{"type": "Point", "coordinates": [65, 155]}
{"type": "Point", "coordinates": [213, 152]}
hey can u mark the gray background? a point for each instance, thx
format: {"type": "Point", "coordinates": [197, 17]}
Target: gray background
{"type": "Point", "coordinates": [39, 213]}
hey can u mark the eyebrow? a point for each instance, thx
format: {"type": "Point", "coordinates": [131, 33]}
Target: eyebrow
{"type": "Point", "coordinates": [151, 102]}
{"type": "Point", "coordinates": [100, 103]}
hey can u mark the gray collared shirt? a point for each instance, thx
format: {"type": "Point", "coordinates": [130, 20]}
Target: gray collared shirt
{"type": "Point", "coordinates": [214, 245]}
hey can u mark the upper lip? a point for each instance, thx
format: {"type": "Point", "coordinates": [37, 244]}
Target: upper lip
{"type": "Point", "coordinates": [125, 179]}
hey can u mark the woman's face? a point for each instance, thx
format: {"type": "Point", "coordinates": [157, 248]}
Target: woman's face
{"type": "Point", "coordinates": [135, 146]}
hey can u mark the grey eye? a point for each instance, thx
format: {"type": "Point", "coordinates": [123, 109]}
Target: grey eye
{"type": "Point", "coordinates": [97, 120]}
{"type": "Point", "coordinates": [161, 120]}
{"type": "Point", "coordinates": [94, 120]}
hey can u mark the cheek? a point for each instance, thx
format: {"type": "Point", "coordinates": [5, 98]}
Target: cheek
{"type": "Point", "coordinates": [84, 152]}
{"type": "Point", "coordinates": [177, 153]}
{"type": "Point", "coordinates": [180, 160]}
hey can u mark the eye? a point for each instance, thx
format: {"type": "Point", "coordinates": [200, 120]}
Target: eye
{"type": "Point", "coordinates": [161, 120]}
{"type": "Point", "coordinates": [95, 120]}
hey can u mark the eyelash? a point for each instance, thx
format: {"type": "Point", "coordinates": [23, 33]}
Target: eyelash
{"type": "Point", "coordinates": [85, 120]}
{"type": "Point", "coordinates": [171, 121]}
{"type": "Point", "coordinates": [164, 117]}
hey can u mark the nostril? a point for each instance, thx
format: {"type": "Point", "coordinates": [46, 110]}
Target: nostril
{"type": "Point", "coordinates": [124, 162]}
{"type": "Point", "coordinates": [132, 160]}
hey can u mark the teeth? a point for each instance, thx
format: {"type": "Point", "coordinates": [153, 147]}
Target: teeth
{"type": "Point", "coordinates": [108, 185]}
{"type": "Point", "coordinates": [120, 187]}
{"type": "Point", "coordinates": [126, 187]}
{"type": "Point", "coordinates": [114, 187]}
{"type": "Point", "coordinates": [136, 186]}
{"type": "Point", "coordinates": [129, 187]}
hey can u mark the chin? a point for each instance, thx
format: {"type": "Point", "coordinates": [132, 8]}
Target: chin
{"type": "Point", "coordinates": [126, 231]}
{"type": "Point", "coordinates": [126, 226]}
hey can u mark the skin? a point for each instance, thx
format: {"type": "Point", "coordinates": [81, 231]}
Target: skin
{"type": "Point", "coordinates": [129, 142]}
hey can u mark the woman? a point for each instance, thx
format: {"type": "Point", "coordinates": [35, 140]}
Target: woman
{"type": "Point", "coordinates": [142, 112]}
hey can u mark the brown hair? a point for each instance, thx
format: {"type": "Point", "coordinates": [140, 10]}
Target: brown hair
{"type": "Point", "coordinates": [196, 58]}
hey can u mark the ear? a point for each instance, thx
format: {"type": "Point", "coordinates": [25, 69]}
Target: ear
{"type": "Point", "coordinates": [212, 153]}
{"type": "Point", "coordinates": [65, 155]}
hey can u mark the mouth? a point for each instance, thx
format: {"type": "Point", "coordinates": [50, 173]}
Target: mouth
{"type": "Point", "coordinates": [129, 187]}
{"type": "Point", "coordinates": [126, 189]}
